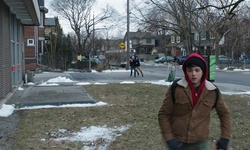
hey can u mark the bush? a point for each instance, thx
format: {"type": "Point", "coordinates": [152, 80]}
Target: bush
{"type": "Point", "coordinates": [101, 66]}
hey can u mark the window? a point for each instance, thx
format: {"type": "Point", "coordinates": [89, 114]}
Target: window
{"type": "Point", "coordinates": [139, 41]}
{"type": "Point", "coordinates": [212, 35]}
{"type": "Point", "coordinates": [148, 41]}
{"type": "Point", "coordinates": [178, 39]}
{"type": "Point", "coordinates": [172, 39]}
{"type": "Point", "coordinates": [30, 42]}
{"type": "Point", "coordinates": [196, 36]}
{"type": "Point", "coordinates": [246, 34]}
{"type": "Point", "coordinates": [203, 36]}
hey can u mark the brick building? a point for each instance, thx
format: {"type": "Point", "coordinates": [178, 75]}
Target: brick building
{"type": "Point", "coordinates": [34, 40]}
{"type": "Point", "coordinates": [14, 15]}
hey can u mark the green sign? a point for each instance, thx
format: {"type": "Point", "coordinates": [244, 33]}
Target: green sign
{"type": "Point", "coordinates": [212, 67]}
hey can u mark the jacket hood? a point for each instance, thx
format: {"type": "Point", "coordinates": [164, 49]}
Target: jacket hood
{"type": "Point", "coordinates": [197, 60]}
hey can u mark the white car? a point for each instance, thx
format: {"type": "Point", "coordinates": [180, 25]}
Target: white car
{"type": "Point", "coordinates": [164, 59]}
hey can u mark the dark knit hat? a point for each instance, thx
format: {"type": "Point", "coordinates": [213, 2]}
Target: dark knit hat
{"type": "Point", "coordinates": [195, 61]}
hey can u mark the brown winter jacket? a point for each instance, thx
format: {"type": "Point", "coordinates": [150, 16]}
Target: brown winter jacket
{"type": "Point", "coordinates": [190, 125]}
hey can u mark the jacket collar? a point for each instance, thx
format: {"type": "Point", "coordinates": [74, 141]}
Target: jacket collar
{"type": "Point", "coordinates": [208, 85]}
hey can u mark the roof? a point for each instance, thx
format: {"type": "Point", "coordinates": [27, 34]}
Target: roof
{"type": "Point", "coordinates": [140, 35]}
{"type": "Point", "coordinates": [50, 21]}
{"type": "Point", "coordinates": [26, 10]}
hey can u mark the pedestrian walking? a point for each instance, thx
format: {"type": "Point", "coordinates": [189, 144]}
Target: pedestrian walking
{"type": "Point", "coordinates": [184, 116]}
{"type": "Point", "coordinates": [132, 66]}
{"type": "Point", "coordinates": [137, 65]}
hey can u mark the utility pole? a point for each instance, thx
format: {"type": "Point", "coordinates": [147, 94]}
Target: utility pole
{"type": "Point", "coordinates": [93, 44]}
{"type": "Point", "coordinates": [128, 38]}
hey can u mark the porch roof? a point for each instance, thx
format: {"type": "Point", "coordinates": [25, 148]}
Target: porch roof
{"type": "Point", "coordinates": [27, 11]}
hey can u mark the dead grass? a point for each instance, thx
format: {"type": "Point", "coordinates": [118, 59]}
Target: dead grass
{"type": "Point", "coordinates": [133, 104]}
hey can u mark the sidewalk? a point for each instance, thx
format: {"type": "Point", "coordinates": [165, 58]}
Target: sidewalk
{"type": "Point", "coordinates": [35, 95]}
{"type": "Point", "coordinates": [51, 95]}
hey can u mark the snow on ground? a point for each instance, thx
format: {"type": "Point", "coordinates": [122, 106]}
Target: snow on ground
{"type": "Point", "coordinates": [6, 110]}
{"type": "Point", "coordinates": [88, 135]}
{"type": "Point", "coordinates": [63, 106]}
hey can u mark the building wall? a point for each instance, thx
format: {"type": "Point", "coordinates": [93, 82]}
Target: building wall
{"type": "Point", "coordinates": [12, 42]}
{"type": "Point", "coordinates": [5, 53]}
{"type": "Point", "coordinates": [30, 49]}
{"type": "Point", "coordinates": [11, 51]}
{"type": "Point", "coordinates": [41, 38]}
{"type": "Point", "coordinates": [33, 53]}
{"type": "Point", "coordinates": [16, 50]}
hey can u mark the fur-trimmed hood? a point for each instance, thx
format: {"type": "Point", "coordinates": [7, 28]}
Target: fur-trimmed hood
{"type": "Point", "coordinates": [208, 85]}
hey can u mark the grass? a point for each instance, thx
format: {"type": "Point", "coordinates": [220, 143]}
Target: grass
{"type": "Point", "coordinates": [132, 104]}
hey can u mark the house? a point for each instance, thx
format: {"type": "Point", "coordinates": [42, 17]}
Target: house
{"type": "Point", "coordinates": [174, 46]}
{"type": "Point", "coordinates": [14, 15]}
{"type": "Point", "coordinates": [204, 41]}
{"type": "Point", "coordinates": [34, 41]}
{"type": "Point", "coordinates": [52, 36]}
{"type": "Point", "coordinates": [108, 44]}
{"type": "Point", "coordinates": [142, 42]}
{"type": "Point", "coordinates": [50, 27]}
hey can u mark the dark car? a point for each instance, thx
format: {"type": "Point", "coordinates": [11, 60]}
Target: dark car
{"type": "Point", "coordinates": [164, 59]}
{"type": "Point", "coordinates": [224, 59]}
{"type": "Point", "coordinates": [84, 58]}
{"type": "Point", "coordinates": [181, 59]}
{"type": "Point", "coordinates": [245, 59]}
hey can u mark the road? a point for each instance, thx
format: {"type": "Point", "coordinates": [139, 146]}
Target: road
{"type": "Point", "coordinates": [241, 78]}
{"type": "Point", "coordinates": [222, 76]}
{"type": "Point", "coordinates": [154, 72]}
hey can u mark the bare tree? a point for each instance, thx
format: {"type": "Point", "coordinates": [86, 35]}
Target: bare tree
{"type": "Point", "coordinates": [183, 16]}
{"type": "Point", "coordinates": [228, 7]}
{"type": "Point", "coordinates": [81, 17]}
{"type": "Point", "coordinates": [172, 17]}
{"type": "Point", "coordinates": [230, 16]}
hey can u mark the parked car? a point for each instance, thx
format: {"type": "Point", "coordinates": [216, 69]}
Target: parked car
{"type": "Point", "coordinates": [224, 59]}
{"type": "Point", "coordinates": [101, 57]}
{"type": "Point", "coordinates": [84, 58]}
{"type": "Point", "coordinates": [181, 59]}
{"type": "Point", "coordinates": [169, 58]}
{"type": "Point", "coordinates": [160, 60]}
{"type": "Point", "coordinates": [164, 59]}
{"type": "Point", "coordinates": [246, 59]}
{"type": "Point", "coordinates": [95, 59]}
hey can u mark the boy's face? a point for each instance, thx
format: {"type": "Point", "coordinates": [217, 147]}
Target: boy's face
{"type": "Point", "coordinates": [194, 74]}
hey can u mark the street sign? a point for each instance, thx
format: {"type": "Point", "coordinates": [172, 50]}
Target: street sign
{"type": "Point", "coordinates": [122, 45]}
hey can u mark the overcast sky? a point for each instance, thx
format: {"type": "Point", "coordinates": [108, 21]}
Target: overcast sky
{"type": "Point", "coordinates": [119, 5]}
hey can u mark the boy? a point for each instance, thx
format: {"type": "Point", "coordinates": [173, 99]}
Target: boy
{"type": "Point", "coordinates": [137, 65]}
{"type": "Point", "coordinates": [185, 123]}
{"type": "Point", "coordinates": [132, 66]}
